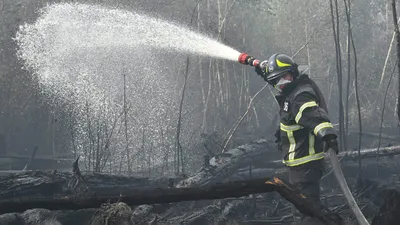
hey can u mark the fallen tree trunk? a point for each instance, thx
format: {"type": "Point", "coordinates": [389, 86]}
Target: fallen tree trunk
{"type": "Point", "coordinates": [349, 167]}
{"type": "Point", "coordinates": [352, 155]}
{"type": "Point", "coordinates": [372, 152]}
{"type": "Point", "coordinates": [140, 196]}
{"type": "Point", "coordinates": [227, 165]}
{"type": "Point", "coordinates": [43, 183]}
{"type": "Point", "coordinates": [47, 184]}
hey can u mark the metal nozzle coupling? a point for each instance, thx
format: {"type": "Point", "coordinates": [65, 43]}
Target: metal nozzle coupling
{"type": "Point", "coordinates": [245, 59]}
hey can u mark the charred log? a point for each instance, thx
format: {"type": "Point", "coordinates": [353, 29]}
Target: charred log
{"type": "Point", "coordinates": [139, 196]}
{"type": "Point", "coordinates": [265, 161]}
{"type": "Point", "coordinates": [47, 184]}
{"type": "Point", "coordinates": [228, 163]}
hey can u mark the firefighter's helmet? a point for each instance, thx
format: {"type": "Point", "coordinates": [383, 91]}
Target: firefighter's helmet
{"type": "Point", "coordinates": [278, 65]}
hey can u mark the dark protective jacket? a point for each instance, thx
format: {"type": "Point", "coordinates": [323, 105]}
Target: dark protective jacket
{"type": "Point", "coordinates": [304, 122]}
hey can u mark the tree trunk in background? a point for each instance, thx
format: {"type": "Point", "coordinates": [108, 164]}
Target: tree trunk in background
{"type": "Point", "coordinates": [128, 158]}
{"type": "Point", "coordinates": [396, 30]}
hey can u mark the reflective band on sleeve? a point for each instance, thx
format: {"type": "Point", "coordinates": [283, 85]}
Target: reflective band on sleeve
{"type": "Point", "coordinates": [311, 143]}
{"type": "Point", "coordinates": [292, 146]}
{"type": "Point", "coordinates": [302, 108]}
{"type": "Point", "coordinates": [290, 127]}
{"type": "Point", "coordinates": [304, 160]}
{"type": "Point", "coordinates": [321, 126]}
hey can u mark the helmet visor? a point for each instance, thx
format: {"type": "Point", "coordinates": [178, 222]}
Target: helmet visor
{"type": "Point", "coordinates": [281, 83]}
{"type": "Point", "coordinates": [274, 78]}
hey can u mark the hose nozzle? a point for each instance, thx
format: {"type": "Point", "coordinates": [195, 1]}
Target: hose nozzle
{"type": "Point", "coordinates": [245, 59]}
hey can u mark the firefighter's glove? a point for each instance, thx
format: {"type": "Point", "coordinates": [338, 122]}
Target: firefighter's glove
{"type": "Point", "coordinates": [262, 69]}
{"type": "Point", "coordinates": [330, 141]}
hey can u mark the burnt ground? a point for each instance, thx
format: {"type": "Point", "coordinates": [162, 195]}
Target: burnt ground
{"type": "Point", "coordinates": [375, 191]}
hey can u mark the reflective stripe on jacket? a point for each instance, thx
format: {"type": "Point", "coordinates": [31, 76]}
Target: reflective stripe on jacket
{"type": "Point", "coordinates": [304, 122]}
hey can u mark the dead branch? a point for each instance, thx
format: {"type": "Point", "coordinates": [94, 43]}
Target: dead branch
{"type": "Point", "coordinates": [239, 121]}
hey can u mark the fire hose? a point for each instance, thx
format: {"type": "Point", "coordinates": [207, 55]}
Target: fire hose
{"type": "Point", "coordinates": [337, 170]}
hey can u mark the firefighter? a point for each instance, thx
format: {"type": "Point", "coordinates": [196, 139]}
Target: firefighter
{"type": "Point", "coordinates": [305, 131]}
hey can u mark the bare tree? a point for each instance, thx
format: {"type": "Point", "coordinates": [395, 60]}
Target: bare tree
{"type": "Point", "coordinates": [396, 30]}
